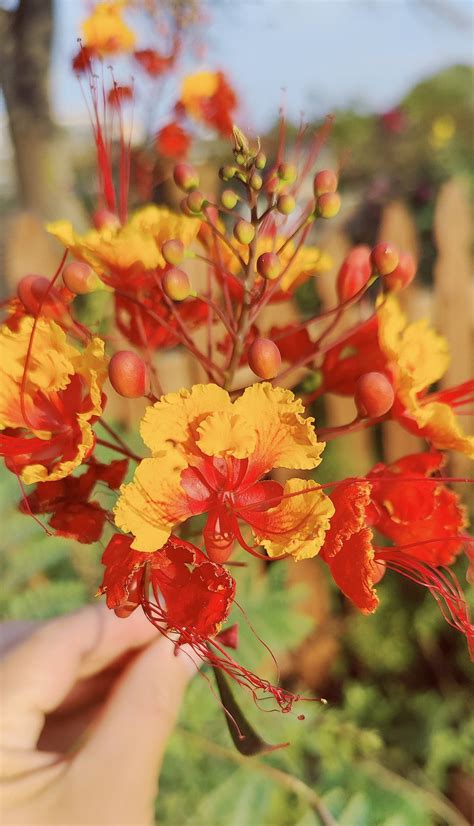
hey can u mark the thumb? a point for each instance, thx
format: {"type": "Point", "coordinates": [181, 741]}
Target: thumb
{"type": "Point", "coordinates": [126, 747]}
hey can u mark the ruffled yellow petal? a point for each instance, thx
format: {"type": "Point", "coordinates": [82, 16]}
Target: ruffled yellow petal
{"type": "Point", "coordinates": [105, 31]}
{"type": "Point", "coordinates": [91, 364]}
{"type": "Point", "coordinates": [226, 434]}
{"type": "Point", "coordinates": [139, 241]}
{"type": "Point", "coordinates": [173, 421]}
{"type": "Point", "coordinates": [38, 473]}
{"type": "Point", "coordinates": [50, 365]}
{"type": "Point", "coordinates": [440, 425]}
{"type": "Point", "coordinates": [418, 354]}
{"type": "Point", "coordinates": [298, 525]}
{"type": "Point", "coordinates": [153, 502]}
{"type": "Point", "coordinates": [284, 438]}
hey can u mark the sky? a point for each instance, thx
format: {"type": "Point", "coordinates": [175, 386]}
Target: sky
{"type": "Point", "coordinates": [316, 55]}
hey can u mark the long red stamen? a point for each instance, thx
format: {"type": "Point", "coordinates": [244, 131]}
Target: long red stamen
{"type": "Point", "coordinates": [441, 582]}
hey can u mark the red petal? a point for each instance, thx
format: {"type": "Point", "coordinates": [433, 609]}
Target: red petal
{"type": "Point", "coordinates": [354, 570]}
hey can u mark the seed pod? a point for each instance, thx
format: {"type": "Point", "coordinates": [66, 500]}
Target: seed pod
{"type": "Point", "coordinates": [286, 204]}
{"type": "Point", "coordinates": [264, 358]}
{"type": "Point", "coordinates": [244, 232]}
{"type": "Point", "coordinates": [261, 160]}
{"type": "Point", "coordinates": [325, 181]}
{"type": "Point", "coordinates": [176, 284]}
{"type": "Point", "coordinates": [105, 219]}
{"type": "Point", "coordinates": [80, 278]}
{"type": "Point", "coordinates": [373, 395]}
{"type": "Point", "coordinates": [229, 198]}
{"type": "Point", "coordinates": [403, 274]}
{"type": "Point", "coordinates": [269, 265]}
{"type": "Point", "coordinates": [128, 375]}
{"type": "Point", "coordinates": [384, 258]}
{"type": "Point", "coordinates": [185, 176]}
{"type": "Point", "coordinates": [173, 251]}
{"type": "Point", "coordinates": [354, 272]}
{"type": "Point", "coordinates": [35, 291]}
{"type": "Point", "coordinates": [328, 204]}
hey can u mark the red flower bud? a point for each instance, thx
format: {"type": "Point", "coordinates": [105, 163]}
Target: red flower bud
{"type": "Point", "coordinates": [328, 204]}
{"type": "Point", "coordinates": [286, 204]}
{"type": "Point", "coordinates": [354, 272]}
{"type": "Point", "coordinates": [244, 232]}
{"type": "Point", "coordinates": [80, 278]}
{"type": "Point", "coordinates": [128, 375]}
{"type": "Point", "coordinates": [176, 284]}
{"type": "Point", "coordinates": [185, 176]}
{"type": "Point", "coordinates": [269, 265]}
{"type": "Point", "coordinates": [373, 395]}
{"type": "Point", "coordinates": [173, 251]}
{"type": "Point", "coordinates": [36, 290]}
{"type": "Point", "coordinates": [384, 258]}
{"type": "Point", "coordinates": [105, 219]}
{"type": "Point", "coordinates": [195, 201]}
{"type": "Point", "coordinates": [325, 181]}
{"type": "Point", "coordinates": [264, 358]}
{"type": "Point", "coordinates": [403, 274]}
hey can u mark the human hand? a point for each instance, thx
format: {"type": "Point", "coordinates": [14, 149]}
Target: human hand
{"type": "Point", "coordinates": [88, 704]}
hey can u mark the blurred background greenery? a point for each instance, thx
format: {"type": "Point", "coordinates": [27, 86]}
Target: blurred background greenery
{"type": "Point", "coordinates": [394, 744]}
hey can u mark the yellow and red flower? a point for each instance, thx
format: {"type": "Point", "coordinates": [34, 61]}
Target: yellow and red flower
{"type": "Point", "coordinates": [128, 259]}
{"type": "Point", "coordinates": [209, 456]}
{"type": "Point", "coordinates": [413, 357]}
{"type": "Point", "coordinates": [422, 517]}
{"type": "Point", "coordinates": [208, 98]}
{"type": "Point", "coordinates": [51, 392]}
{"type": "Point", "coordinates": [105, 32]}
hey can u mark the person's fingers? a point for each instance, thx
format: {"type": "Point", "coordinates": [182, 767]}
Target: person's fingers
{"type": "Point", "coordinates": [38, 674]}
{"type": "Point", "coordinates": [128, 740]}
{"type": "Point", "coordinates": [14, 632]}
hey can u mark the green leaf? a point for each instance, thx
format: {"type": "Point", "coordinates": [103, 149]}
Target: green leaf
{"type": "Point", "coordinates": [244, 737]}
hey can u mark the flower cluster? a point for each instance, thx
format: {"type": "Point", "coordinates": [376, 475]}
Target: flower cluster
{"type": "Point", "coordinates": [202, 278]}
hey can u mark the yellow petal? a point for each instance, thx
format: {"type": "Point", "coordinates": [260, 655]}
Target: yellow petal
{"type": "Point", "coordinates": [139, 241]}
{"type": "Point", "coordinates": [284, 438]}
{"type": "Point", "coordinates": [175, 418]}
{"type": "Point", "coordinates": [226, 434]}
{"type": "Point", "coordinates": [194, 88]}
{"type": "Point", "coordinates": [153, 502]}
{"type": "Point", "coordinates": [418, 354]}
{"type": "Point", "coordinates": [51, 365]}
{"type": "Point", "coordinates": [105, 31]}
{"type": "Point", "coordinates": [298, 525]}
{"type": "Point", "coordinates": [440, 425]}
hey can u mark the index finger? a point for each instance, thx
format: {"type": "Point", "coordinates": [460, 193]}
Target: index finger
{"type": "Point", "coordinates": [39, 673]}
